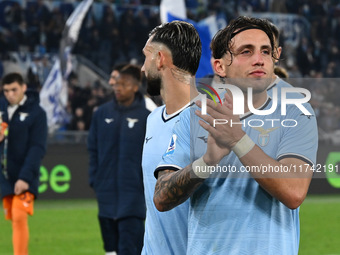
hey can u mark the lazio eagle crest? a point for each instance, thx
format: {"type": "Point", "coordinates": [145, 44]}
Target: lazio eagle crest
{"type": "Point", "coordinates": [263, 138]}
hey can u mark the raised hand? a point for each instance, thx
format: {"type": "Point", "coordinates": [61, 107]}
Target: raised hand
{"type": "Point", "coordinates": [223, 132]}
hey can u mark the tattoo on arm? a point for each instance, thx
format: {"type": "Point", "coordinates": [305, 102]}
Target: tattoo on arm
{"type": "Point", "coordinates": [173, 188]}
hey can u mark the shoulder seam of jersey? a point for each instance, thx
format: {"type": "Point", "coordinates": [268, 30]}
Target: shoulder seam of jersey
{"type": "Point", "coordinates": [165, 167]}
{"type": "Point", "coordinates": [297, 156]}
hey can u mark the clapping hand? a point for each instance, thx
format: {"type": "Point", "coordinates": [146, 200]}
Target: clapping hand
{"type": "Point", "coordinates": [222, 137]}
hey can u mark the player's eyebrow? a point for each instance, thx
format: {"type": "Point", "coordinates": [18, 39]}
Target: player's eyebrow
{"type": "Point", "coordinates": [251, 47]}
{"type": "Point", "coordinates": [266, 47]}
{"type": "Point", "coordinates": [8, 90]}
{"type": "Point", "coordinates": [242, 47]}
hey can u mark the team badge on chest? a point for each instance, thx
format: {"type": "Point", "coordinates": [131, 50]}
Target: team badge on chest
{"type": "Point", "coordinates": [22, 116]}
{"type": "Point", "coordinates": [132, 122]}
{"type": "Point", "coordinates": [263, 138]}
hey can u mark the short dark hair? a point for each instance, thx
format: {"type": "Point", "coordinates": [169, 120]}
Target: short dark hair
{"type": "Point", "coordinates": [132, 70]}
{"type": "Point", "coordinates": [119, 67]}
{"type": "Point", "coordinates": [183, 42]}
{"type": "Point", "coordinates": [13, 77]}
{"type": "Point", "coordinates": [221, 43]}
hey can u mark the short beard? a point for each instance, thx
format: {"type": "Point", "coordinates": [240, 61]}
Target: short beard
{"type": "Point", "coordinates": [154, 86]}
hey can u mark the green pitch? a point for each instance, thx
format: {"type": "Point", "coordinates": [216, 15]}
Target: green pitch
{"type": "Point", "coordinates": [71, 227]}
{"type": "Point", "coordinates": [320, 225]}
{"type": "Point", "coordinates": [67, 227]}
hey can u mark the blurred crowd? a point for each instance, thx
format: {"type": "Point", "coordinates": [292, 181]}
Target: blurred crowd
{"type": "Point", "coordinates": [115, 32]}
{"type": "Point", "coordinates": [82, 102]}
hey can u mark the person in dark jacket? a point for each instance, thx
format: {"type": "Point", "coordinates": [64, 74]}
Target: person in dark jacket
{"type": "Point", "coordinates": [22, 147]}
{"type": "Point", "coordinates": [115, 147]}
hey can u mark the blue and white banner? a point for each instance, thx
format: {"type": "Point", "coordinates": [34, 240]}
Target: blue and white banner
{"type": "Point", "coordinates": [70, 35]}
{"type": "Point", "coordinates": [53, 95]}
{"type": "Point", "coordinates": [175, 10]}
{"type": "Point", "coordinates": [173, 7]}
{"type": "Point", "coordinates": [53, 98]}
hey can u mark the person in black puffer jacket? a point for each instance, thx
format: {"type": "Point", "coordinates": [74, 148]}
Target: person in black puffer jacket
{"type": "Point", "coordinates": [22, 147]}
{"type": "Point", "coordinates": [115, 147]}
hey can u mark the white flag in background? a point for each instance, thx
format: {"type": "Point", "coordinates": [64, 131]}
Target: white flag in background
{"type": "Point", "coordinates": [176, 10]}
{"type": "Point", "coordinates": [53, 95]}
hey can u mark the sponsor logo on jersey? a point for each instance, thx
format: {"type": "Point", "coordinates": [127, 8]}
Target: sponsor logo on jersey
{"type": "Point", "coordinates": [147, 139]}
{"type": "Point", "coordinates": [203, 138]}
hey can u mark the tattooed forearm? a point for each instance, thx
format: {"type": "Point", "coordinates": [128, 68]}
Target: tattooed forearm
{"type": "Point", "coordinates": [173, 188]}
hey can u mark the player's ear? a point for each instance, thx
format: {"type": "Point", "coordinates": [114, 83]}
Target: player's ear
{"type": "Point", "coordinates": [277, 54]}
{"type": "Point", "coordinates": [135, 88]}
{"type": "Point", "coordinates": [24, 87]}
{"type": "Point", "coordinates": [160, 60]}
{"type": "Point", "coordinates": [164, 58]}
{"type": "Point", "coordinates": [219, 67]}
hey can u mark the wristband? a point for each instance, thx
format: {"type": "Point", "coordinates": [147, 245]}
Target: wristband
{"type": "Point", "coordinates": [243, 146]}
{"type": "Point", "coordinates": [200, 168]}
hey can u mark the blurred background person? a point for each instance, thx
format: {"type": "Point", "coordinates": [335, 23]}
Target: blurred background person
{"type": "Point", "coordinates": [22, 147]}
{"type": "Point", "coordinates": [115, 146]}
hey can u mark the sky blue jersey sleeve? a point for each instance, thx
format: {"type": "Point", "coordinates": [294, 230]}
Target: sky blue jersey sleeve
{"type": "Point", "coordinates": [300, 141]}
{"type": "Point", "coordinates": [177, 155]}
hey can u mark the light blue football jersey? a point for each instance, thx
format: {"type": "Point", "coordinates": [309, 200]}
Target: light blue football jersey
{"type": "Point", "coordinates": [280, 84]}
{"type": "Point", "coordinates": [165, 232]}
{"type": "Point", "coordinates": [233, 214]}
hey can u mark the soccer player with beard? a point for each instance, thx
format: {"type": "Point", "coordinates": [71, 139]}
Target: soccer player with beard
{"type": "Point", "coordinates": [172, 55]}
